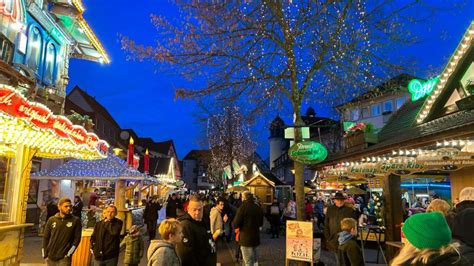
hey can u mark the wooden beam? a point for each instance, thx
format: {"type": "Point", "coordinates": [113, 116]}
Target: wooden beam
{"type": "Point", "coordinates": [393, 213]}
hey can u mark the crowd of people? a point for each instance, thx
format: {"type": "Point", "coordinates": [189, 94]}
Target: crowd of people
{"type": "Point", "coordinates": [190, 235]}
{"type": "Point", "coordinates": [196, 226]}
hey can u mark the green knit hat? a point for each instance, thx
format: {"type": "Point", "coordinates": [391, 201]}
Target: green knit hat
{"type": "Point", "coordinates": [427, 230]}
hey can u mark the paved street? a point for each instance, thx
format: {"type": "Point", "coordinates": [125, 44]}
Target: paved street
{"type": "Point", "coordinates": [271, 253]}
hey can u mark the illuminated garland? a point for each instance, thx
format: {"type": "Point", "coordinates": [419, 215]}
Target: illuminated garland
{"type": "Point", "coordinates": [378, 204]}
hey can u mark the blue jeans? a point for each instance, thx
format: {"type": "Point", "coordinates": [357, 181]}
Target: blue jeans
{"type": "Point", "coordinates": [249, 255]}
{"type": "Point", "coordinates": [109, 262]}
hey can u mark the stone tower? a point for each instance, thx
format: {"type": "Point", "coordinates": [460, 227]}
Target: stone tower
{"type": "Point", "coordinates": [276, 139]}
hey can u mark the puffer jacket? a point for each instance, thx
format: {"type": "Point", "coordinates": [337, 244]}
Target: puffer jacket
{"type": "Point", "coordinates": [162, 253]}
{"type": "Point", "coordinates": [134, 247]}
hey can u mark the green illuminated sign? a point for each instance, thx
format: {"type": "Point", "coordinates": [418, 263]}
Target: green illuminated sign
{"type": "Point", "coordinates": [419, 88]}
{"type": "Point", "coordinates": [308, 152]}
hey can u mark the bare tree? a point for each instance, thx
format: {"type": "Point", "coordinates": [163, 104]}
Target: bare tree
{"type": "Point", "coordinates": [271, 52]}
{"type": "Point", "coordinates": [229, 141]}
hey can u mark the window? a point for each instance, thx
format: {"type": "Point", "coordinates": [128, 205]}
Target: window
{"type": "Point", "coordinates": [6, 49]}
{"type": "Point", "coordinates": [376, 110]}
{"type": "Point", "coordinates": [365, 112]}
{"type": "Point", "coordinates": [33, 52]}
{"type": "Point", "coordinates": [6, 189]}
{"type": "Point", "coordinates": [388, 106]}
{"type": "Point", "coordinates": [355, 114]}
{"type": "Point", "coordinates": [50, 64]}
{"type": "Point", "coordinates": [400, 102]}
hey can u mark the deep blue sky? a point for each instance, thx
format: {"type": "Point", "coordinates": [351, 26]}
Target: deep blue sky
{"type": "Point", "coordinates": [139, 97]}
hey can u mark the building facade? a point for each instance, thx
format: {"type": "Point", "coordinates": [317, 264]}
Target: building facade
{"type": "Point", "coordinates": [37, 40]}
{"type": "Point", "coordinates": [195, 170]}
{"type": "Point", "coordinates": [378, 104]}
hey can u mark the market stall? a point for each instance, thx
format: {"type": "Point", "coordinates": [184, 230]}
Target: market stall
{"type": "Point", "coordinates": [28, 130]}
{"type": "Point", "coordinates": [263, 186]}
{"type": "Point", "coordinates": [117, 183]}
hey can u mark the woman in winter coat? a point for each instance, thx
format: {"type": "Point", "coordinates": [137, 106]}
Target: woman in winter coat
{"type": "Point", "coordinates": [163, 252]}
{"type": "Point", "coordinates": [133, 244]}
{"type": "Point", "coordinates": [428, 242]}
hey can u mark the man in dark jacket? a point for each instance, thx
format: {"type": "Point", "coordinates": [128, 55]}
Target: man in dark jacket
{"type": "Point", "coordinates": [197, 247]}
{"type": "Point", "coordinates": [150, 216]}
{"type": "Point", "coordinates": [172, 206]}
{"type": "Point", "coordinates": [332, 222]}
{"type": "Point", "coordinates": [248, 220]}
{"type": "Point", "coordinates": [105, 241]}
{"type": "Point", "coordinates": [62, 235]}
{"type": "Point", "coordinates": [463, 231]}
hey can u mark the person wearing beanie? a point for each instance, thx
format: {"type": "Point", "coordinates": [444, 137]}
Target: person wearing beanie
{"type": "Point", "coordinates": [428, 242]}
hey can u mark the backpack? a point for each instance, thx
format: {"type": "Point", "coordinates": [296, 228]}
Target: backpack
{"type": "Point", "coordinates": [274, 210]}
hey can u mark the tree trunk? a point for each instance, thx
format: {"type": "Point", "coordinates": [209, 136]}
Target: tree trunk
{"type": "Point", "coordinates": [299, 171]}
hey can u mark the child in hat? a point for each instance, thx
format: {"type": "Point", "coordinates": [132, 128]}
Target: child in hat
{"type": "Point", "coordinates": [134, 246]}
{"type": "Point", "coordinates": [428, 242]}
{"type": "Point", "coordinates": [349, 252]}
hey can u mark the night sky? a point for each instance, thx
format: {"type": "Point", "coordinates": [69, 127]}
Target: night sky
{"type": "Point", "coordinates": [141, 98]}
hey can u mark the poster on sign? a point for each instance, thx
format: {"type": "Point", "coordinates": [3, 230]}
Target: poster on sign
{"type": "Point", "coordinates": [299, 241]}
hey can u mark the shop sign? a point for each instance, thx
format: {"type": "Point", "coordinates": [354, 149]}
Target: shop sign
{"type": "Point", "coordinates": [383, 168]}
{"type": "Point", "coordinates": [13, 9]}
{"type": "Point", "coordinates": [14, 104]}
{"type": "Point", "coordinates": [419, 88]}
{"type": "Point", "coordinates": [308, 152]}
{"type": "Point", "coordinates": [299, 241]}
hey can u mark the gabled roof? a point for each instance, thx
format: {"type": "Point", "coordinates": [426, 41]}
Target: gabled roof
{"type": "Point", "coordinates": [268, 177]}
{"type": "Point", "coordinates": [393, 85]}
{"type": "Point", "coordinates": [463, 56]}
{"type": "Point", "coordinates": [198, 155]}
{"type": "Point", "coordinates": [93, 103]}
{"type": "Point", "coordinates": [162, 166]}
{"type": "Point", "coordinates": [164, 147]}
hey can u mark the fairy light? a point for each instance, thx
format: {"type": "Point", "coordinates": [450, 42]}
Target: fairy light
{"type": "Point", "coordinates": [111, 167]}
{"type": "Point", "coordinates": [466, 41]}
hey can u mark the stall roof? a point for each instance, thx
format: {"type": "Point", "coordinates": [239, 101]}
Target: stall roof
{"type": "Point", "coordinates": [48, 135]}
{"type": "Point", "coordinates": [88, 46]}
{"type": "Point", "coordinates": [411, 125]}
{"type": "Point", "coordinates": [110, 168]}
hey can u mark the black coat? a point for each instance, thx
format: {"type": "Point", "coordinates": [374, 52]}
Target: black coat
{"type": "Point", "coordinates": [77, 209]}
{"type": "Point", "coordinates": [171, 208]}
{"type": "Point", "coordinates": [332, 224]}
{"type": "Point", "coordinates": [105, 240]}
{"type": "Point", "coordinates": [249, 219]}
{"type": "Point", "coordinates": [197, 247]}
{"type": "Point", "coordinates": [150, 214]}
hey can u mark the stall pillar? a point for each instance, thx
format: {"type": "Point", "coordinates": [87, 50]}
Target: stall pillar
{"type": "Point", "coordinates": [21, 174]}
{"type": "Point", "coordinates": [140, 187]}
{"type": "Point", "coordinates": [120, 203]}
{"type": "Point", "coordinates": [393, 211]}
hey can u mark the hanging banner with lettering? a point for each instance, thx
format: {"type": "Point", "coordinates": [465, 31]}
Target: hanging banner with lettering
{"type": "Point", "coordinates": [14, 104]}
